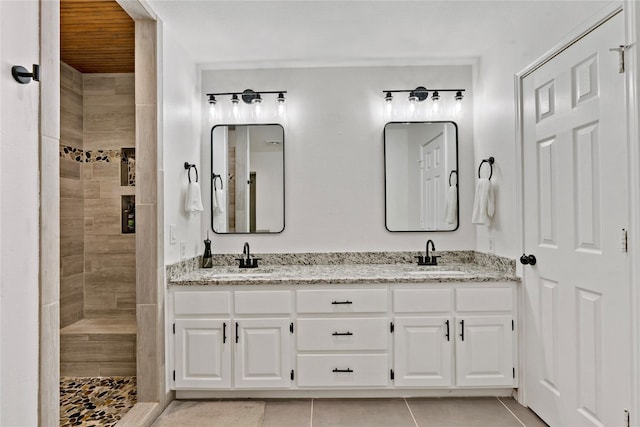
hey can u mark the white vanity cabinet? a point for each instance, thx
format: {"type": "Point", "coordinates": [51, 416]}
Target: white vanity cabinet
{"type": "Point", "coordinates": [343, 340]}
{"type": "Point", "coordinates": [485, 336]}
{"type": "Point", "coordinates": [263, 344]}
{"type": "Point", "coordinates": [202, 348]}
{"type": "Point", "coordinates": [467, 330]}
{"type": "Point", "coordinates": [342, 337]}
{"type": "Point", "coordinates": [210, 332]}
{"type": "Point", "coordinates": [423, 337]}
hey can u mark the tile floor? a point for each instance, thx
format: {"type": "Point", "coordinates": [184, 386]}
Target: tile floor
{"type": "Point", "coordinates": [95, 401]}
{"type": "Point", "coordinates": [413, 412]}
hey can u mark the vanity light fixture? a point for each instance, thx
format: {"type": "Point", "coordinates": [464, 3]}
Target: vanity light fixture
{"type": "Point", "coordinates": [418, 95]}
{"type": "Point", "coordinates": [253, 98]}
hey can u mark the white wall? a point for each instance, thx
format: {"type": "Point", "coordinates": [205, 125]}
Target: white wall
{"type": "Point", "coordinates": [19, 229]}
{"type": "Point", "coordinates": [181, 140]}
{"type": "Point", "coordinates": [494, 121]}
{"type": "Point", "coordinates": [334, 189]}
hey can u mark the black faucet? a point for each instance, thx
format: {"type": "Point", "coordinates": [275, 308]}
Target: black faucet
{"type": "Point", "coordinates": [246, 261]}
{"type": "Point", "coordinates": [427, 259]}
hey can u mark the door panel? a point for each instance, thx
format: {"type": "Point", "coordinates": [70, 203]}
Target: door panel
{"type": "Point", "coordinates": [202, 353]}
{"type": "Point", "coordinates": [422, 351]}
{"type": "Point", "coordinates": [575, 184]}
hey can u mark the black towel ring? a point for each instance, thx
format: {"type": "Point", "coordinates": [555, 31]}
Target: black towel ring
{"type": "Point", "coordinates": [188, 167]}
{"type": "Point", "coordinates": [216, 176]}
{"type": "Point", "coordinates": [451, 174]}
{"type": "Point", "coordinates": [490, 160]}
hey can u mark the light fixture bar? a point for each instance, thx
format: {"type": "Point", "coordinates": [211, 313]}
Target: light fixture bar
{"type": "Point", "coordinates": [414, 90]}
{"type": "Point", "coordinates": [240, 92]}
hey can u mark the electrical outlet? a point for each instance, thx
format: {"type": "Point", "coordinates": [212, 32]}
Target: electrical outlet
{"type": "Point", "coordinates": [492, 245]}
{"type": "Point", "coordinates": [172, 234]}
{"type": "Point", "coordinates": [183, 250]}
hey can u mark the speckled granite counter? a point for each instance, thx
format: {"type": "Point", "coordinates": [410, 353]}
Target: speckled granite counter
{"type": "Point", "coordinates": [457, 269]}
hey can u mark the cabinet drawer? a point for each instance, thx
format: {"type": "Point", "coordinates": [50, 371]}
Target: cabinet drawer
{"type": "Point", "coordinates": [334, 370]}
{"type": "Point", "coordinates": [484, 299]}
{"type": "Point", "coordinates": [342, 301]}
{"type": "Point", "coordinates": [342, 334]}
{"type": "Point", "coordinates": [201, 303]}
{"type": "Point", "coordinates": [262, 302]}
{"type": "Point", "coordinates": [422, 300]}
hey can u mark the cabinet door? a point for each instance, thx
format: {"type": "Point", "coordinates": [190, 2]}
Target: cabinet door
{"type": "Point", "coordinates": [484, 351]}
{"type": "Point", "coordinates": [422, 351]}
{"type": "Point", "coordinates": [263, 353]}
{"type": "Point", "coordinates": [202, 354]}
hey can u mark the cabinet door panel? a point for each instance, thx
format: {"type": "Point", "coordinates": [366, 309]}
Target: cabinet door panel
{"type": "Point", "coordinates": [262, 357]}
{"type": "Point", "coordinates": [484, 353]}
{"type": "Point", "coordinates": [202, 357]}
{"type": "Point", "coordinates": [422, 351]}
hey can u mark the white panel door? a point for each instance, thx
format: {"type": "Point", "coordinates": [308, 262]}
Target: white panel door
{"type": "Point", "coordinates": [422, 351]}
{"type": "Point", "coordinates": [433, 173]}
{"type": "Point", "coordinates": [577, 332]}
{"type": "Point", "coordinates": [202, 354]}
{"type": "Point", "coordinates": [484, 351]}
{"type": "Point", "coordinates": [262, 357]}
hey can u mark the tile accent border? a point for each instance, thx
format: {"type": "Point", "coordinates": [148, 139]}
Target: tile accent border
{"type": "Point", "coordinates": [95, 156]}
{"type": "Point", "coordinates": [502, 264]}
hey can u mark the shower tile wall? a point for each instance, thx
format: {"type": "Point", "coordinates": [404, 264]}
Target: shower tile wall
{"type": "Point", "coordinates": [109, 255]}
{"type": "Point", "coordinates": [71, 197]}
{"type": "Point", "coordinates": [97, 261]}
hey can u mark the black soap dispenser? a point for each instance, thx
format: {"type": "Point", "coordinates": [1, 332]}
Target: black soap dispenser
{"type": "Point", "coordinates": [207, 259]}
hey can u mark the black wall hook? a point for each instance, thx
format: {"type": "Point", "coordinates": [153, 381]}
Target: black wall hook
{"type": "Point", "coordinates": [23, 76]}
{"type": "Point", "coordinates": [490, 160]}
{"type": "Point", "coordinates": [188, 167]}
{"type": "Point", "coordinates": [215, 178]}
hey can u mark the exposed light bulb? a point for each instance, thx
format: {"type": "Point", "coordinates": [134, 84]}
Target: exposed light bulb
{"type": "Point", "coordinates": [257, 107]}
{"type": "Point", "coordinates": [388, 106]}
{"type": "Point", "coordinates": [458, 98]}
{"type": "Point", "coordinates": [281, 106]}
{"type": "Point", "coordinates": [212, 107]}
{"type": "Point", "coordinates": [435, 102]}
{"type": "Point", "coordinates": [235, 108]}
{"type": "Point", "coordinates": [413, 101]}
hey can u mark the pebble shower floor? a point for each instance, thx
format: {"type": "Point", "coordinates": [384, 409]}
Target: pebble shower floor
{"type": "Point", "coordinates": [100, 401]}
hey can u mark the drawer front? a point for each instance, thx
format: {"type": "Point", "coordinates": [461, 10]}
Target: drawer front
{"type": "Point", "coordinates": [201, 303]}
{"type": "Point", "coordinates": [262, 302]}
{"type": "Point", "coordinates": [342, 301]}
{"type": "Point", "coordinates": [342, 334]}
{"type": "Point", "coordinates": [484, 299]}
{"type": "Point", "coordinates": [334, 370]}
{"type": "Point", "coordinates": [422, 300]}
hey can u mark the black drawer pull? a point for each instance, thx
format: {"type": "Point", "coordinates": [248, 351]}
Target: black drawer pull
{"type": "Point", "coordinates": [348, 370]}
{"type": "Point", "coordinates": [462, 329]}
{"type": "Point", "coordinates": [224, 332]}
{"type": "Point", "coordinates": [342, 302]}
{"type": "Point", "coordinates": [335, 334]}
{"type": "Point", "coordinates": [447, 334]}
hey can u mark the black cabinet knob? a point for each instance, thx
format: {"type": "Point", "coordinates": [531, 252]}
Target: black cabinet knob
{"type": "Point", "coordinates": [528, 259]}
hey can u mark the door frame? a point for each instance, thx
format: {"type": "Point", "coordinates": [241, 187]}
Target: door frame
{"type": "Point", "coordinates": [630, 15]}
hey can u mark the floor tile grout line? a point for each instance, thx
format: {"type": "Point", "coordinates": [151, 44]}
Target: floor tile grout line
{"type": "Point", "coordinates": [311, 418]}
{"type": "Point", "coordinates": [511, 412]}
{"type": "Point", "coordinates": [410, 412]}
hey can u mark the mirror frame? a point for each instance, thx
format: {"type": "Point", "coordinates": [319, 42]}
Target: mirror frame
{"type": "Point", "coordinates": [284, 194]}
{"type": "Point", "coordinates": [384, 153]}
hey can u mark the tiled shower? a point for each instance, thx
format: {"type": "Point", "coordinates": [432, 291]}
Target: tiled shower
{"type": "Point", "coordinates": [97, 224]}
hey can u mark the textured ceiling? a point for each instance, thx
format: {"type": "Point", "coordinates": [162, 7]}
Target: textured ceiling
{"type": "Point", "coordinates": [96, 36]}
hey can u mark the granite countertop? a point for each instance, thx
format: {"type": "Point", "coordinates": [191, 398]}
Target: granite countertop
{"type": "Point", "coordinates": [332, 274]}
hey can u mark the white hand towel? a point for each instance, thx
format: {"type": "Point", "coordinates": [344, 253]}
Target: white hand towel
{"type": "Point", "coordinates": [193, 201]}
{"type": "Point", "coordinates": [451, 206]}
{"type": "Point", "coordinates": [483, 204]}
{"type": "Point", "coordinates": [219, 200]}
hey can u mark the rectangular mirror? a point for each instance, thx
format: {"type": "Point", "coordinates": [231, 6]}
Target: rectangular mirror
{"type": "Point", "coordinates": [421, 176]}
{"type": "Point", "coordinates": [247, 189]}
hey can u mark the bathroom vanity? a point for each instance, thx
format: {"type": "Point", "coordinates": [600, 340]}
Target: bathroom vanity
{"type": "Point", "coordinates": [343, 330]}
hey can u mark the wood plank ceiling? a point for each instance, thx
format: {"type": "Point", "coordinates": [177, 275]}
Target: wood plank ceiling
{"type": "Point", "coordinates": [96, 36]}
